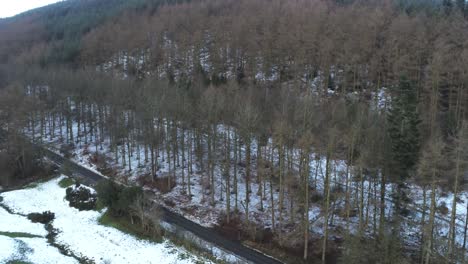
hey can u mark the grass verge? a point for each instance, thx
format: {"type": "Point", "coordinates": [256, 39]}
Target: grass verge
{"type": "Point", "coordinates": [18, 262]}
{"type": "Point", "coordinates": [123, 224]}
{"type": "Point", "coordinates": [193, 248]}
{"type": "Point", "coordinates": [99, 206]}
{"type": "Point", "coordinates": [17, 235]}
{"type": "Point", "coordinates": [33, 182]}
{"type": "Point", "coordinates": [31, 185]}
{"type": "Point", "coordinates": [66, 182]}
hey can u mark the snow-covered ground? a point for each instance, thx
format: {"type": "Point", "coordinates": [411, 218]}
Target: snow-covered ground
{"type": "Point", "coordinates": [26, 249]}
{"type": "Point", "coordinates": [79, 232]}
{"type": "Point", "coordinates": [31, 250]}
{"type": "Point", "coordinates": [16, 223]}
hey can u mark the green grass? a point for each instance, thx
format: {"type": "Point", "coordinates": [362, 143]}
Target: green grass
{"type": "Point", "coordinates": [18, 262]}
{"type": "Point", "coordinates": [31, 185]}
{"type": "Point", "coordinates": [17, 235]}
{"type": "Point", "coordinates": [66, 182]}
{"type": "Point", "coordinates": [123, 224]}
{"type": "Point", "coordinates": [99, 206]}
{"type": "Point", "coordinates": [190, 246]}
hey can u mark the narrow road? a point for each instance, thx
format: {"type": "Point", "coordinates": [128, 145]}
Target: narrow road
{"type": "Point", "coordinates": [202, 232]}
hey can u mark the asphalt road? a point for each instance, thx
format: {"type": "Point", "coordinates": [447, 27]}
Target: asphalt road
{"type": "Point", "coordinates": [209, 235]}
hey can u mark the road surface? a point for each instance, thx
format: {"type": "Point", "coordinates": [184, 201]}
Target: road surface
{"type": "Point", "coordinates": [202, 232]}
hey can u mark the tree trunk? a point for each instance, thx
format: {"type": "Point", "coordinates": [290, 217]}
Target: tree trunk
{"type": "Point", "coordinates": [430, 229]}
{"type": "Point", "coordinates": [236, 194]}
{"type": "Point", "coordinates": [326, 208]}
{"type": "Point", "coordinates": [306, 204]}
{"type": "Point", "coordinates": [227, 161]}
{"type": "Point", "coordinates": [247, 176]}
{"type": "Point", "coordinates": [452, 231]}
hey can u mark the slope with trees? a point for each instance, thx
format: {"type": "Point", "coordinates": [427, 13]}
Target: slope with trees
{"type": "Point", "coordinates": [318, 127]}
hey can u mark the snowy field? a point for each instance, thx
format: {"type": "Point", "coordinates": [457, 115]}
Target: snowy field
{"type": "Point", "coordinates": [18, 246]}
{"type": "Point", "coordinates": [79, 232]}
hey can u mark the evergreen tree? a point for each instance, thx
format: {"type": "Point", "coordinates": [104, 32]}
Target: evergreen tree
{"type": "Point", "coordinates": [403, 130]}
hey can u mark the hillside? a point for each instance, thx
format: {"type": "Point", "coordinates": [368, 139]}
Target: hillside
{"type": "Point", "coordinates": [53, 33]}
{"type": "Point", "coordinates": [332, 131]}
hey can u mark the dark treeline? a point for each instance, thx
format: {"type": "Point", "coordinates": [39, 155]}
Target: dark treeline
{"type": "Point", "coordinates": [53, 34]}
{"type": "Point", "coordinates": [275, 85]}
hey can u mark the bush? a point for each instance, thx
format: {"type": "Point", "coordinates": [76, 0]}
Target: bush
{"type": "Point", "coordinates": [81, 197]}
{"type": "Point", "coordinates": [116, 197]}
{"type": "Point", "coordinates": [108, 193]}
{"type": "Point", "coordinates": [43, 218]}
{"type": "Point", "coordinates": [144, 229]}
{"type": "Point", "coordinates": [127, 197]}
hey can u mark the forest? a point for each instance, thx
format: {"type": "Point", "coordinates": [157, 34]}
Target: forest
{"type": "Point", "coordinates": [317, 131]}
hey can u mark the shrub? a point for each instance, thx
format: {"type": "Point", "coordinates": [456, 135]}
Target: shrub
{"type": "Point", "coordinates": [43, 218]}
{"type": "Point", "coordinates": [118, 198]}
{"type": "Point", "coordinates": [128, 196]}
{"type": "Point", "coordinates": [81, 197]}
{"type": "Point", "coordinates": [108, 193]}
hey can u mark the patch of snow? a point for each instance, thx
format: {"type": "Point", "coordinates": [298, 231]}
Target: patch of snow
{"type": "Point", "coordinates": [8, 246]}
{"type": "Point", "coordinates": [381, 98]}
{"type": "Point", "coordinates": [82, 234]}
{"type": "Point", "coordinates": [16, 223]}
{"type": "Point", "coordinates": [31, 250]}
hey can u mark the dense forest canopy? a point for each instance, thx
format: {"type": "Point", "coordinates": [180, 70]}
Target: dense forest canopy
{"type": "Point", "coordinates": [375, 92]}
{"type": "Point", "coordinates": [55, 31]}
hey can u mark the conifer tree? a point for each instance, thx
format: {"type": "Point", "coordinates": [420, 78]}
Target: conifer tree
{"type": "Point", "coordinates": [403, 129]}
